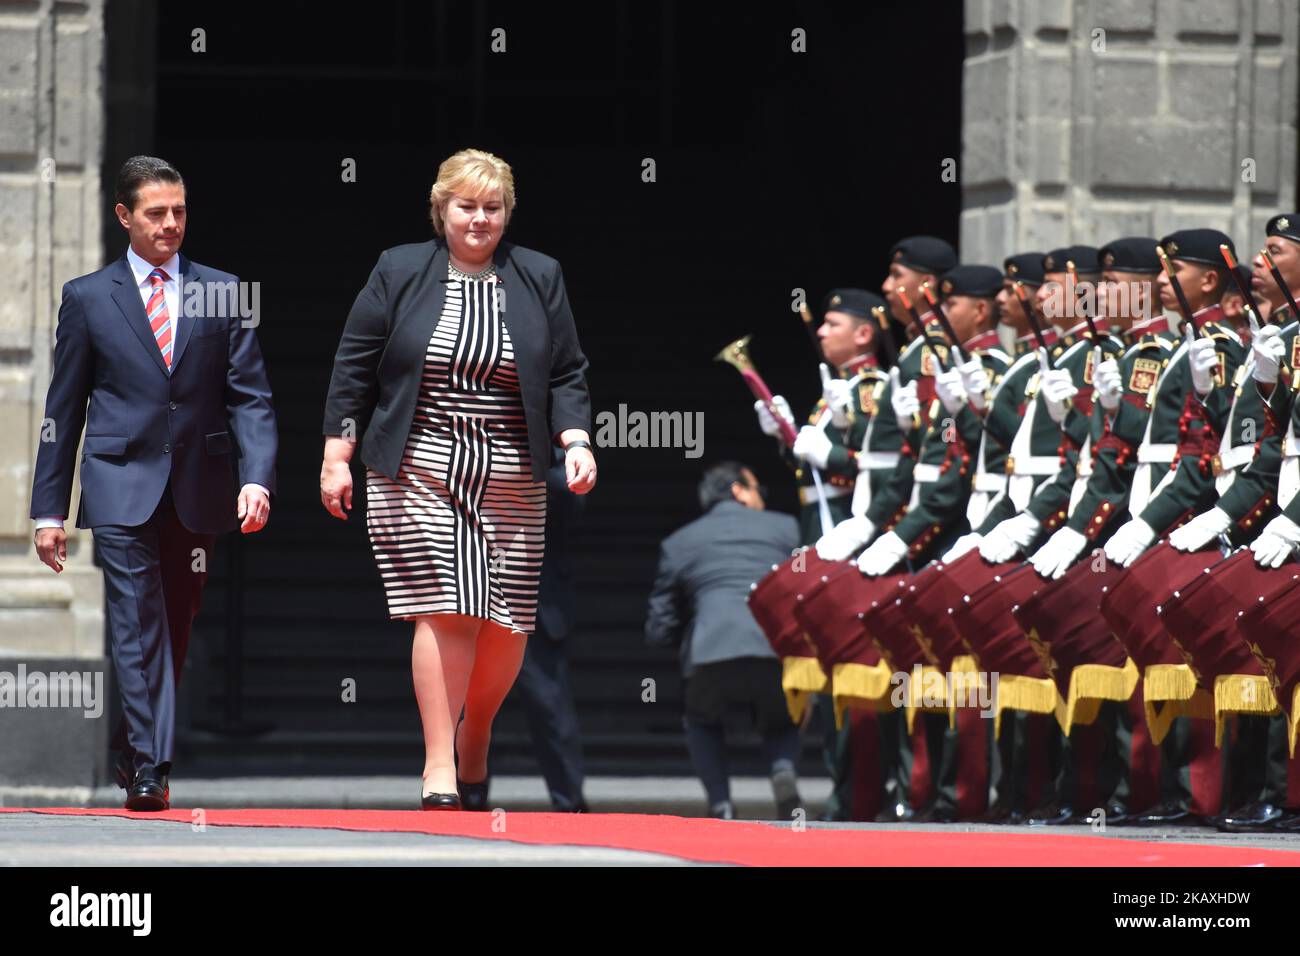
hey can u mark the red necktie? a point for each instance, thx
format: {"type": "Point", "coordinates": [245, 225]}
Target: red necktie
{"type": "Point", "coordinates": [160, 319]}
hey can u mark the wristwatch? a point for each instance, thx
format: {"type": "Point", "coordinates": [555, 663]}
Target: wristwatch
{"type": "Point", "coordinates": [577, 443]}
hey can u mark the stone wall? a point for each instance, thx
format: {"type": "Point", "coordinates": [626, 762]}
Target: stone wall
{"type": "Point", "coordinates": [1086, 120]}
{"type": "Point", "coordinates": [51, 214]}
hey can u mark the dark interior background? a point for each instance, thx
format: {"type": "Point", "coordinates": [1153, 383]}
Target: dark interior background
{"type": "Point", "coordinates": [775, 170]}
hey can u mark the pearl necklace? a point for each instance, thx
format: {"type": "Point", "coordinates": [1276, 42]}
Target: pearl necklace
{"type": "Point", "coordinates": [460, 274]}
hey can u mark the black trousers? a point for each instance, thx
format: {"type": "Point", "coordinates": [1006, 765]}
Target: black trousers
{"type": "Point", "coordinates": [543, 686]}
{"type": "Point", "coordinates": [153, 585]}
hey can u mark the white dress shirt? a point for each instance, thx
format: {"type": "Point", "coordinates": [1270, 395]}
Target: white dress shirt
{"type": "Point", "coordinates": [172, 293]}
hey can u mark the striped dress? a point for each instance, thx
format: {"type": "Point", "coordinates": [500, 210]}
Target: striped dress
{"type": "Point", "coordinates": [461, 529]}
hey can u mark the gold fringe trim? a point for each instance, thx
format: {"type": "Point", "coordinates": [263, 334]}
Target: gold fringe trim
{"type": "Point", "coordinates": [801, 676]}
{"type": "Point", "coordinates": [861, 687]}
{"type": "Point", "coordinates": [1160, 719]}
{"type": "Point", "coordinates": [1090, 684]}
{"type": "Point", "coordinates": [1168, 682]}
{"type": "Point", "coordinates": [1293, 724]}
{"type": "Point", "coordinates": [1038, 695]}
{"type": "Point", "coordinates": [1240, 694]}
{"type": "Point", "coordinates": [931, 679]}
{"type": "Point", "coordinates": [969, 685]}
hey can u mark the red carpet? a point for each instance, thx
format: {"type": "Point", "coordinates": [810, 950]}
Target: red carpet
{"type": "Point", "coordinates": [747, 844]}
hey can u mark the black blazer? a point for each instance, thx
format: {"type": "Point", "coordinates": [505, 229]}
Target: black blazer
{"type": "Point", "coordinates": [195, 428]}
{"type": "Point", "coordinates": [380, 358]}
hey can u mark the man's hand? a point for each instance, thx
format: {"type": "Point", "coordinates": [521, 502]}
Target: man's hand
{"type": "Point", "coordinates": [1201, 530]}
{"type": "Point", "coordinates": [1269, 350]}
{"type": "Point", "coordinates": [975, 381]}
{"type": "Point", "coordinates": [1110, 386]}
{"type": "Point", "coordinates": [883, 556]}
{"type": "Point", "coordinates": [1129, 542]}
{"type": "Point", "coordinates": [812, 445]}
{"type": "Point", "coordinates": [580, 470]}
{"type": "Point", "coordinates": [767, 421]}
{"type": "Point", "coordinates": [1058, 393]}
{"type": "Point", "coordinates": [1055, 557]}
{"type": "Point", "coordinates": [336, 487]}
{"type": "Point", "coordinates": [1277, 543]}
{"type": "Point", "coordinates": [1203, 357]}
{"type": "Point", "coordinates": [837, 393]}
{"type": "Point", "coordinates": [904, 400]}
{"type": "Point", "coordinates": [845, 538]}
{"type": "Point", "coordinates": [947, 385]}
{"type": "Point", "coordinates": [1009, 538]}
{"type": "Point", "coordinates": [253, 508]}
{"type": "Point", "coordinates": [52, 547]}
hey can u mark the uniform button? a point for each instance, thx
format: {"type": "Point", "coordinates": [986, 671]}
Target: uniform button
{"type": "Point", "coordinates": [172, 406]}
{"type": "Point", "coordinates": [167, 449]}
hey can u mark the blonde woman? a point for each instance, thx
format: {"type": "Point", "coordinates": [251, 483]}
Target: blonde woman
{"type": "Point", "coordinates": [459, 368]}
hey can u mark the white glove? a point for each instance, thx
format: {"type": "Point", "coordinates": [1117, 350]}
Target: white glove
{"type": "Point", "coordinates": [1278, 542]}
{"type": "Point", "coordinates": [1201, 530]}
{"type": "Point", "coordinates": [1202, 357]}
{"type": "Point", "coordinates": [845, 538]}
{"type": "Point", "coordinates": [1108, 384]}
{"type": "Point", "coordinates": [1009, 538]}
{"type": "Point", "coordinates": [967, 542]}
{"type": "Point", "coordinates": [1058, 393]}
{"type": "Point", "coordinates": [767, 421]}
{"type": "Point", "coordinates": [976, 381]}
{"type": "Point", "coordinates": [1054, 558]}
{"type": "Point", "coordinates": [837, 393]}
{"type": "Point", "coordinates": [1269, 350]}
{"type": "Point", "coordinates": [883, 555]}
{"type": "Point", "coordinates": [904, 400]}
{"type": "Point", "coordinates": [1129, 542]}
{"type": "Point", "coordinates": [813, 446]}
{"type": "Point", "coordinates": [947, 385]}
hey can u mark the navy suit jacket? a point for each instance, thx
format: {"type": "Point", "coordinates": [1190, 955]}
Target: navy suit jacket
{"type": "Point", "coordinates": [198, 426]}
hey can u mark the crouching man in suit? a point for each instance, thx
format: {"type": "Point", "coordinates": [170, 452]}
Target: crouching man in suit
{"type": "Point", "coordinates": [699, 600]}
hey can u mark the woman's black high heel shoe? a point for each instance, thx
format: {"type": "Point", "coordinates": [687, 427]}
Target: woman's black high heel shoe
{"type": "Point", "coordinates": [473, 796]}
{"type": "Point", "coordinates": [440, 801]}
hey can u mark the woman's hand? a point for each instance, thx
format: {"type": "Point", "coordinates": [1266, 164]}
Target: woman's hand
{"type": "Point", "coordinates": [580, 470]}
{"type": "Point", "coordinates": [336, 477]}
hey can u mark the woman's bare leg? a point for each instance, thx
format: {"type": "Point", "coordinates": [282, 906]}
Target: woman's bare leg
{"type": "Point", "coordinates": [497, 660]}
{"type": "Point", "coordinates": [442, 658]}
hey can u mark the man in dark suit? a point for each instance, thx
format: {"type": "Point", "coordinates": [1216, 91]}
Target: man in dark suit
{"type": "Point", "coordinates": [156, 356]}
{"type": "Point", "coordinates": [543, 680]}
{"type": "Point", "coordinates": [699, 601]}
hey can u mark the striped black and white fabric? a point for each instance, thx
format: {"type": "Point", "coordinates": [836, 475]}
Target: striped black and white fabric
{"type": "Point", "coordinates": [461, 530]}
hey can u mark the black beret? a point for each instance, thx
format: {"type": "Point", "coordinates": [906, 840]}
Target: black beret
{"type": "Point", "coordinates": [1287, 225]}
{"type": "Point", "coordinates": [1197, 245]}
{"type": "Point", "coordinates": [857, 302]}
{"type": "Point", "coordinates": [1130, 254]}
{"type": "Point", "coordinates": [1084, 258]}
{"type": "Point", "coordinates": [924, 254]}
{"type": "Point", "coordinates": [982, 281]}
{"type": "Point", "coordinates": [1027, 267]}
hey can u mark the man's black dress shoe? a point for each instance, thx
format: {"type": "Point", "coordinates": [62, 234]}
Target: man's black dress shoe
{"type": "Point", "coordinates": [994, 815]}
{"type": "Point", "coordinates": [1116, 815]}
{"type": "Point", "coordinates": [1252, 818]}
{"type": "Point", "coordinates": [149, 791]}
{"type": "Point", "coordinates": [1051, 815]}
{"type": "Point", "coordinates": [1165, 813]}
{"type": "Point", "coordinates": [440, 801]}
{"type": "Point", "coordinates": [936, 813]}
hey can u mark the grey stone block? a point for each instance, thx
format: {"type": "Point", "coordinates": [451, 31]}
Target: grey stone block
{"type": "Point", "coordinates": [18, 113]}
{"type": "Point", "coordinates": [1202, 16]}
{"type": "Point", "coordinates": [1268, 18]}
{"type": "Point", "coordinates": [54, 746]}
{"type": "Point", "coordinates": [1125, 15]}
